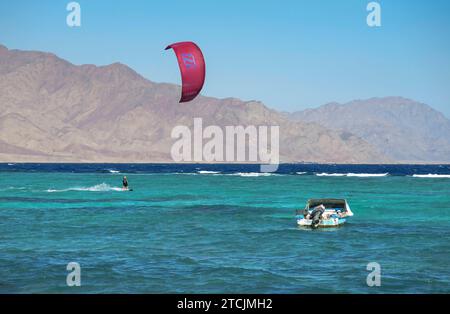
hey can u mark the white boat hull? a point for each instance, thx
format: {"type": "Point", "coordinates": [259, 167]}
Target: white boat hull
{"type": "Point", "coordinates": [324, 223]}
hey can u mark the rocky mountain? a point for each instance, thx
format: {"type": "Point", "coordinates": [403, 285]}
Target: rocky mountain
{"type": "Point", "coordinates": [52, 110]}
{"type": "Point", "coordinates": [402, 129]}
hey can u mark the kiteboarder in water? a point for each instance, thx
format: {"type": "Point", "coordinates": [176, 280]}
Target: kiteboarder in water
{"type": "Point", "coordinates": [125, 183]}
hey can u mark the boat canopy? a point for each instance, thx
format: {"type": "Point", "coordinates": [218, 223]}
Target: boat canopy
{"type": "Point", "coordinates": [327, 202]}
{"type": "Point", "coordinates": [330, 203]}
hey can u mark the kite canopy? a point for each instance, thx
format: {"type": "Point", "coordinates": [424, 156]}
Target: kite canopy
{"type": "Point", "coordinates": [192, 67]}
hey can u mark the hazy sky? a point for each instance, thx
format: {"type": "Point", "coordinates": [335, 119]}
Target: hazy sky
{"type": "Point", "coordinates": [288, 54]}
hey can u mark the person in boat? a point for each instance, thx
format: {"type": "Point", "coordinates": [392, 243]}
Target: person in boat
{"type": "Point", "coordinates": [125, 183]}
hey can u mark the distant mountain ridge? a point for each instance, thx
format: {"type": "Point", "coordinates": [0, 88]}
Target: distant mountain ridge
{"type": "Point", "coordinates": [400, 128]}
{"type": "Point", "coordinates": [52, 110]}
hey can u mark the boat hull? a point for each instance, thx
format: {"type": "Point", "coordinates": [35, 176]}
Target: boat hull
{"type": "Point", "coordinates": [324, 223]}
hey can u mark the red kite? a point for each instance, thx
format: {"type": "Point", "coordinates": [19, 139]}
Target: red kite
{"type": "Point", "coordinates": [192, 67]}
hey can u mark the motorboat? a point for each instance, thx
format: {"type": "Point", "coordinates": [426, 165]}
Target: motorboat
{"type": "Point", "coordinates": [323, 213]}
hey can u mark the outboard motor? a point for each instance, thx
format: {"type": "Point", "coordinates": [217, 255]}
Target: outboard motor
{"type": "Point", "coordinates": [316, 217]}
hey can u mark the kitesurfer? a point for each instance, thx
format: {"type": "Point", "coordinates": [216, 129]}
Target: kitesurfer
{"type": "Point", "coordinates": [125, 183]}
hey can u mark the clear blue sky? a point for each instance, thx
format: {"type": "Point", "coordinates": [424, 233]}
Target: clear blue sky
{"type": "Point", "coordinates": [288, 54]}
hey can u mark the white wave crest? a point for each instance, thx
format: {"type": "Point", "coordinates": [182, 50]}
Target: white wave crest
{"type": "Point", "coordinates": [301, 172]}
{"type": "Point", "coordinates": [113, 171]}
{"type": "Point", "coordinates": [360, 175]}
{"type": "Point", "coordinates": [324, 174]}
{"type": "Point", "coordinates": [103, 187]}
{"type": "Point", "coordinates": [431, 175]}
{"type": "Point", "coordinates": [253, 174]}
{"type": "Point", "coordinates": [367, 175]}
{"type": "Point", "coordinates": [208, 172]}
{"type": "Point", "coordinates": [12, 188]}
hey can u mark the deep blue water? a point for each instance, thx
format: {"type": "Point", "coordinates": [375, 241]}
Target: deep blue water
{"type": "Point", "coordinates": [396, 170]}
{"type": "Point", "coordinates": [221, 228]}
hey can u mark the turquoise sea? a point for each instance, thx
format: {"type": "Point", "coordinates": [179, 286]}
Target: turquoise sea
{"type": "Point", "coordinates": [221, 229]}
